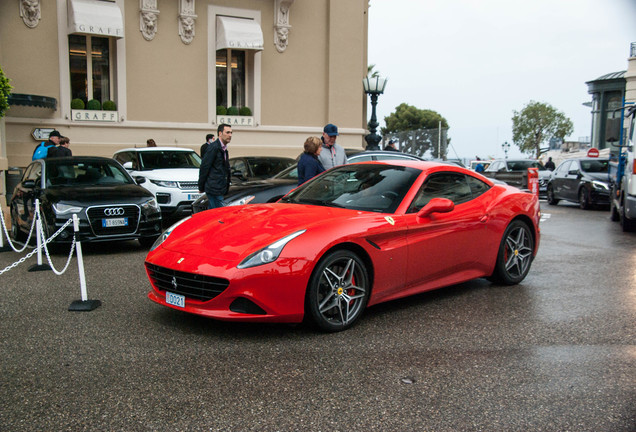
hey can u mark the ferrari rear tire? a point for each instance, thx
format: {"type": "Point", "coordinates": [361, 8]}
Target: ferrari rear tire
{"type": "Point", "coordinates": [338, 291]}
{"type": "Point", "coordinates": [515, 254]}
{"type": "Point", "coordinates": [551, 199]}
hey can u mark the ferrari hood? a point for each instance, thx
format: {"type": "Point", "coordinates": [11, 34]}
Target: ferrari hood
{"type": "Point", "coordinates": [231, 233]}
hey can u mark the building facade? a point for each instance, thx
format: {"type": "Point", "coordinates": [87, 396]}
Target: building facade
{"type": "Point", "coordinates": [110, 74]}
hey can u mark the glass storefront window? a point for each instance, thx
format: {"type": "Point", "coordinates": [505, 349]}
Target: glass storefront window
{"type": "Point", "coordinates": [90, 68]}
{"type": "Point", "coordinates": [230, 78]}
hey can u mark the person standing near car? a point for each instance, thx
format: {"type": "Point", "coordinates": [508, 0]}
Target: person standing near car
{"type": "Point", "coordinates": [62, 150]}
{"type": "Point", "coordinates": [47, 148]}
{"type": "Point", "coordinates": [332, 154]}
{"type": "Point", "coordinates": [214, 174]}
{"type": "Point", "coordinates": [309, 166]}
{"type": "Point", "coordinates": [549, 165]}
{"type": "Point", "coordinates": [209, 139]}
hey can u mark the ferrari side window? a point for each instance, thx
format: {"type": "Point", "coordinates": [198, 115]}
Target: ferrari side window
{"type": "Point", "coordinates": [452, 186]}
{"type": "Point", "coordinates": [477, 187]}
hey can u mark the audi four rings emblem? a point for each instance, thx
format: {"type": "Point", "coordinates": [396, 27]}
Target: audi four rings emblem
{"type": "Point", "coordinates": [114, 211]}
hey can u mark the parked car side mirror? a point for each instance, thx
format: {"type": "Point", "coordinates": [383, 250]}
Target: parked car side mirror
{"type": "Point", "coordinates": [613, 129]}
{"type": "Point", "coordinates": [436, 205]}
{"type": "Point", "coordinates": [140, 179]}
{"type": "Point", "coordinates": [128, 165]}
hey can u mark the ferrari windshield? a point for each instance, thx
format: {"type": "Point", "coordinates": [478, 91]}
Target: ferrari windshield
{"type": "Point", "coordinates": [367, 187]}
{"type": "Point", "coordinates": [160, 159]}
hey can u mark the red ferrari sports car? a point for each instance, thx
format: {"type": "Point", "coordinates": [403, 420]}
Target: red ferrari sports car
{"type": "Point", "coordinates": [352, 237]}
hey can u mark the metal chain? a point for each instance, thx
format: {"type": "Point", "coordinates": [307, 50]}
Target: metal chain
{"type": "Point", "coordinates": [26, 243]}
{"type": "Point", "coordinates": [44, 243]}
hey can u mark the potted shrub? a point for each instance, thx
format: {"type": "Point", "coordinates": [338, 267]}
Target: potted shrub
{"type": "Point", "coordinates": [109, 105]}
{"type": "Point", "coordinates": [245, 111]}
{"type": "Point", "coordinates": [232, 111]}
{"type": "Point", "coordinates": [221, 110]}
{"type": "Point", "coordinates": [77, 104]}
{"type": "Point", "coordinates": [94, 105]}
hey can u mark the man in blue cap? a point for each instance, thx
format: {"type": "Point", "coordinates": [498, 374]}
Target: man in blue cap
{"type": "Point", "coordinates": [332, 154]}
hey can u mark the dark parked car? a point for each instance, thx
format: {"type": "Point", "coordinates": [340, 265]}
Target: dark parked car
{"type": "Point", "coordinates": [249, 168]}
{"type": "Point", "coordinates": [107, 201]}
{"type": "Point", "coordinates": [275, 188]}
{"type": "Point", "coordinates": [515, 173]}
{"type": "Point", "coordinates": [583, 180]}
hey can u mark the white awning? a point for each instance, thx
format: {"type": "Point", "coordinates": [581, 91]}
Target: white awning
{"type": "Point", "coordinates": [238, 33]}
{"type": "Point", "coordinates": [95, 17]}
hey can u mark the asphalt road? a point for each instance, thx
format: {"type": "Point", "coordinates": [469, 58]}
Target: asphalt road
{"type": "Point", "coordinates": [556, 353]}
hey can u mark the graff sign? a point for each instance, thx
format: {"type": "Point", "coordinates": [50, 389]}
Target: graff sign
{"type": "Point", "coordinates": [96, 116]}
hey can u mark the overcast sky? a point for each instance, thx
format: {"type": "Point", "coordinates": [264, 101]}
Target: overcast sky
{"type": "Point", "coordinates": [475, 62]}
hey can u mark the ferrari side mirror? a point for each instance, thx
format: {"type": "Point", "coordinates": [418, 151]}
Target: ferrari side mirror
{"type": "Point", "coordinates": [436, 205]}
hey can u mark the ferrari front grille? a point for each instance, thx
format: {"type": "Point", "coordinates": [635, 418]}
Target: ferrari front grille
{"type": "Point", "coordinates": [192, 286]}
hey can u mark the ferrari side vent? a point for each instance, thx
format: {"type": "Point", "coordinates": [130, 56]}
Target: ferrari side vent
{"type": "Point", "coordinates": [192, 286]}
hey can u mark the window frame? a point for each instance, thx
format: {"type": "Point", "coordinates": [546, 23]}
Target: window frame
{"type": "Point", "coordinates": [90, 88]}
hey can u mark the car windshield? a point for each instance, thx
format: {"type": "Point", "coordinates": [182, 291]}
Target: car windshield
{"type": "Point", "coordinates": [595, 166]}
{"type": "Point", "coordinates": [522, 165]}
{"type": "Point", "coordinates": [290, 173]}
{"type": "Point", "coordinates": [266, 167]}
{"type": "Point", "coordinates": [84, 173]}
{"type": "Point", "coordinates": [367, 187]}
{"type": "Point", "coordinates": [162, 159]}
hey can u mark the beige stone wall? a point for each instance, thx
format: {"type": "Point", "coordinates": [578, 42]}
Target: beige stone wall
{"type": "Point", "coordinates": [315, 81]}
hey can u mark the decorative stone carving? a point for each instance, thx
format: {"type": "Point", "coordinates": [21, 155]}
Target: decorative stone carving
{"type": "Point", "coordinates": [186, 20]}
{"type": "Point", "coordinates": [148, 16]}
{"type": "Point", "coordinates": [31, 12]}
{"type": "Point", "coordinates": [281, 24]}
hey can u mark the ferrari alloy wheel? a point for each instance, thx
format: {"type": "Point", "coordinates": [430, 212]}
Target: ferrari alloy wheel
{"type": "Point", "coordinates": [551, 199]}
{"type": "Point", "coordinates": [515, 254]}
{"type": "Point", "coordinates": [584, 199]}
{"type": "Point", "coordinates": [338, 291]}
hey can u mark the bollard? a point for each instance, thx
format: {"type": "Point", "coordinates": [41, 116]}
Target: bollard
{"type": "Point", "coordinates": [83, 305]}
{"type": "Point", "coordinates": [38, 233]}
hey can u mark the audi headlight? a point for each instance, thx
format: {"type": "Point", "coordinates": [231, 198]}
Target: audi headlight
{"type": "Point", "coordinates": [269, 253]}
{"type": "Point", "coordinates": [600, 185]}
{"type": "Point", "coordinates": [61, 208]}
{"type": "Point", "coordinates": [150, 205]}
{"type": "Point", "coordinates": [165, 183]}
{"type": "Point", "coordinates": [241, 201]}
{"type": "Point", "coordinates": [164, 235]}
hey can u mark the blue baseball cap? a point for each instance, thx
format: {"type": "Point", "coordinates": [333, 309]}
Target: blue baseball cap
{"type": "Point", "coordinates": [331, 130]}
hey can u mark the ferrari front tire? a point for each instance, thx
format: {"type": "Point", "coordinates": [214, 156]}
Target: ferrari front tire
{"type": "Point", "coordinates": [338, 291]}
{"type": "Point", "coordinates": [515, 254]}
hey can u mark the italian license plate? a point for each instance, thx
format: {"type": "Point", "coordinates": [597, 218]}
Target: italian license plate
{"type": "Point", "coordinates": [175, 299]}
{"type": "Point", "coordinates": [116, 222]}
{"type": "Point", "coordinates": [194, 196]}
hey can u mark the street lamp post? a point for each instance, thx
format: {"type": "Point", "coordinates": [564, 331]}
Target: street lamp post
{"type": "Point", "coordinates": [373, 86]}
{"type": "Point", "coordinates": [505, 146]}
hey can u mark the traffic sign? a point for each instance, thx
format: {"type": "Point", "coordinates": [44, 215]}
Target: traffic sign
{"type": "Point", "coordinates": [593, 152]}
{"type": "Point", "coordinates": [40, 134]}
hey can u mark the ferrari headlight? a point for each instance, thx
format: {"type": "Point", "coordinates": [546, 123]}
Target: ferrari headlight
{"type": "Point", "coordinates": [269, 253]}
{"type": "Point", "coordinates": [165, 183]}
{"type": "Point", "coordinates": [61, 208]}
{"type": "Point", "coordinates": [164, 235]}
{"type": "Point", "coordinates": [241, 201]}
{"type": "Point", "coordinates": [599, 185]}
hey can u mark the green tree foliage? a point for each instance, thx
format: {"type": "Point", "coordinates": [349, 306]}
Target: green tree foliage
{"type": "Point", "coordinates": [536, 123]}
{"type": "Point", "coordinates": [5, 91]}
{"type": "Point", "coordinates": [407, 117]}
{"type": "Point", "coordinates": [371, 72]}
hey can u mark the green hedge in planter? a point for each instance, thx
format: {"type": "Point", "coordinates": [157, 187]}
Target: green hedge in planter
{"type": "Point", "coordinates": [94, 104]}
{"type": "Point", "coordinates": [245, 111]}
{"type": "Point", "coordinates": [221, 110]}
{"type": "Point", "coordinates": [232, 111]}
{"type": "Point", "coordinates": [77, 104]}
{"type": "Point", "coordinates": [109, 105]}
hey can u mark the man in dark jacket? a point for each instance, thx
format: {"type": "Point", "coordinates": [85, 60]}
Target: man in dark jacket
{"type": "Point", "coordinates": [51, 144]}
{"type": "Point", "coordinates": [214, 174]}
{"type": "Point", "coordinates": [209, 139]}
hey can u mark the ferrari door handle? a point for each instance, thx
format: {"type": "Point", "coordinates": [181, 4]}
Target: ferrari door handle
{"type": "Point", "coordinates": [484, 218]}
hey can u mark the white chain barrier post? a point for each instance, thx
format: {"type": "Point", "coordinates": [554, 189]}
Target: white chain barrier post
{"type": "Point", "coordinates": [38, 233]}
{"type": "Point", "coordinates": [83, 305]}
